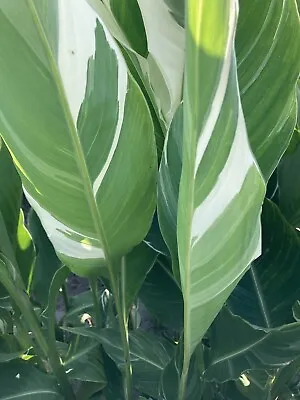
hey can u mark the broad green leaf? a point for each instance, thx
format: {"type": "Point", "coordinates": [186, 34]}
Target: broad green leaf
{"type": "Point", "coordinates": [162, 70]}
{"type": "Point", "coordinates": [176, 8]}
{"type": "Point", "coordinates": [20, 380]}
{"type": "Point", "coordinates": [221, 189]}
{"type": "Point", "coordinates": [266, 294]}
{"type": "Point", "coordinates": [285, 379]}
{"type": "Point", "coordinates": [83, 361]}
{"type": "Point", "coordinates": [46, 263]}
{"type": "Point", "coordinates": [149, 354]}
{"type": "Point", "coordinates": [163, 298]}
{"type": "Point", "coordinates": [95, 205]}
{"type": "Point", "coordinates": [289, 185]}
{"type": "Point", "coordinates": [251, 348]}
{"type": "Point", "coordinates": [129, 17]}
{"type": "Point", "coordinates": [267, 47]}
{"type": "Point", "coordinates": [78, 306]}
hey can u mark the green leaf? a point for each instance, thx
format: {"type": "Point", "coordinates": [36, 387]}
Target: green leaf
{"type": "Point", "coordinates": [289, 185]}
{"type": "Point", "coordinates": [266, 294]}
{"type": "Point", "coordinates": [46, 263]}
{"type": "Point", "coordinates": [135, 267]}
{"type": "Point", "coordinates": [129, 17]}
{"type": "Point", "coordinates": [171, 377]}
{"type": "Point", "coordinates": [94, 206]}
{"type": "Point", "coordinates": [168, 186]}
{"type": "Point", "coordinates": [149, 354]}
{"type": "Point", "coordinates": [83, 361]}
{"type": "Point", "coordinates": [255, 384]}
{"type": "Point", "coordinates": [162, 70]}
{"type": "Point", "coordinates": [163, 298]}
{"type": "Point", "coordinates": [268, 69]}
{"type": "Point", "coordinates": [221, 189]}
{"type": "Point", "coordinates": [9, 348]}
{"type": "Point", "coordinates": [20, 380]}
{"type": "Point", "coordinates": [251, 348]}
{"type": "Point", "coordinates": [10, 193]}
{"type": "Point", "coordinates": [25, 253]}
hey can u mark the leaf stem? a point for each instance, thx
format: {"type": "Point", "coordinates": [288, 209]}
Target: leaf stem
{"type": "Point", "coordinates": [94, 289]}
{"type": "Point", "coordinates": [184, 376]}
{"type": "Point", "coordinates": [123, 324]}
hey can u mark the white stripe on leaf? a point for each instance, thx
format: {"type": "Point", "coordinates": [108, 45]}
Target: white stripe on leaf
{"type": "Point", "coordinates": [60, 235]}
{"type": "Point", "coordinates": [122, 91]}
{"type": "Point", "coordinates": [77, 23]}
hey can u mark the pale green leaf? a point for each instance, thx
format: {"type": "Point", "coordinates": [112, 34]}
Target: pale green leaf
{"type": "Point", "coordinates": [221, 189]}
{"type": "Point", "coordinates": [87, 161]}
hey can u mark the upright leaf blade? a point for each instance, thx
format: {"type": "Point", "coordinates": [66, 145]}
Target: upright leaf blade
{"type": "Point", "coordinates": [221, 189]}
{"type": "Point", "coordinates": [82, 100]}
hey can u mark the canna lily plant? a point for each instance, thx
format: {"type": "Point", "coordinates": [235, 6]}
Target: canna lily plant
{"type": "Point", "coordinates": [156, 143]}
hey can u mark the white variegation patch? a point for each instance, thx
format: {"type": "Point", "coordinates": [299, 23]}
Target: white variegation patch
{"type": "Point", "coordinates": [60, 235]}
{"type": "Point", "coordinates": [166, 44]}
{"type": "Point", "coordinates": [76, 44]}
{"type": "Point", "coordinates": [228, 185]}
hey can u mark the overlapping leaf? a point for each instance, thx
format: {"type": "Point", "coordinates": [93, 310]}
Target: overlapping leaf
{"type": "Point", "coordinates": [88, 158]}
{"type": "Point", "coordinates": [249, 349]}
{"type": "Point", "coordinates": [221, 189]}
{"type": "Point", "coordinates": [267, 293]}
{"type": "Point", "coordinates": [267, 47]}
{"type": "Point", "coordinates": [162, 70]}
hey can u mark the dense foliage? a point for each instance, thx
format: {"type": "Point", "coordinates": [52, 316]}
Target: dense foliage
{"type": "Point", "coordinates": [157, 145]}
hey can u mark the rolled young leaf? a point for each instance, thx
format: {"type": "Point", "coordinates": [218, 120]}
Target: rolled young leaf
{"type": "Point", "coordinates": [221, 188]}
{"type": "Point", "coordinates": [79, 129]}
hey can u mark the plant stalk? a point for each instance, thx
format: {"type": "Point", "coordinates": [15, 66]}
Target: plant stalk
{"type": "Point", "coordinates": [14, 286]}
{"type": "Point", "coordinates": [122, 317]}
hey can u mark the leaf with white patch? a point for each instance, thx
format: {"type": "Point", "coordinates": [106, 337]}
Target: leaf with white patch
{"type": "Point", "coordinates": [88, 159]}
{"type": "Point", "coordinates": [162, 70]}
{"type": "Point", "coordinates": [221, 188]}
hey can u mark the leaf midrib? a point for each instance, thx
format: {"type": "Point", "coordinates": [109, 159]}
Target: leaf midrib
{"type": "Point", "coordinates": [80, 160]}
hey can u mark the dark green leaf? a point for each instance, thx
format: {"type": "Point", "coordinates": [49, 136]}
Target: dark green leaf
{"type": "Point", "coordinates": [129, 17]}
{"type": "Point", "coordinates": [268, 291]}
{"type": "Point", "coordinates": [162, 297]}
{"type": "Point", "coordinates": [47, 262]}
{"type": "Point", "coordinates": [236, 347]}
{"type": "Point", "coordinates": [20, 380]}
{"type": "Point", "coordinates": [83, 361]}
{"type": "Point", "coordinates": [149, 354]}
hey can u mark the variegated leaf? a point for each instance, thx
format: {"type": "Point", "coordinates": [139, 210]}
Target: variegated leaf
{"type": "Point", "coordinates": [221, 188]}
{"type": "Point", "coordinates": [80, 130]}
{"type": "Point", "coordinates": [162, 69]}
